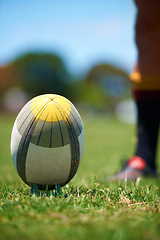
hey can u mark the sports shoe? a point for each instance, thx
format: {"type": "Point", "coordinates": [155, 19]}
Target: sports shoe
{"type": "Point", "coordinates": [134, 168]}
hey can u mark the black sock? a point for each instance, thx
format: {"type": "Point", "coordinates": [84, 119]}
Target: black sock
{"type": "Point", "coordinates": [147, 130]}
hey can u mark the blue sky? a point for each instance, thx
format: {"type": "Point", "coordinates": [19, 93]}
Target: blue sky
{"type": "Point", "coordinates": [83, 32]}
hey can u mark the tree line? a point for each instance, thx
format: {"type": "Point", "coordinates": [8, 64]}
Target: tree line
{"type": "Point", "coordinates": [40, 73]}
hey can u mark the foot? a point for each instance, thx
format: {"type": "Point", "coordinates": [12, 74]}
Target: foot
{"type": "Point", "coordinates": [134, 168]}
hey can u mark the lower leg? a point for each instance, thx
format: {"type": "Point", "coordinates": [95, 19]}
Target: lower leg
{"type": "Point", "coordinates": [147, 130]}
{"type": "Point", "coordinates": [143, 162]}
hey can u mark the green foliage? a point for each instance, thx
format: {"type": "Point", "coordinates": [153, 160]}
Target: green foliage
{"type": "Point", "coordinates": [112, 79]}
{"type": "Point", "coordinates": [40, 73]}
{"type": "Point", "coordinates": [91, 209]}
{"type": "Point", "coordinates": [89, 93]}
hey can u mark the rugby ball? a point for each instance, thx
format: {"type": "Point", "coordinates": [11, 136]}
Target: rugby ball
{"type": "Point", "coordinates": [47, 141]}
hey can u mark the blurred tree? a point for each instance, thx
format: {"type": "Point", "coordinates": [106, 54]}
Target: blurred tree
{"type": "Point", "coordinates": [113, 80]}
{"type": "Point", "coordinates": [8, 78]}
{"type": "Point", "coordinates": [42, 73]}
{"type": "Point", "coordinates": [89, 93]}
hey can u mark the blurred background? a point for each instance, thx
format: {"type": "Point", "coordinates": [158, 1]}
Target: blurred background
{"type": "Point", "coordinates": [82, 50]}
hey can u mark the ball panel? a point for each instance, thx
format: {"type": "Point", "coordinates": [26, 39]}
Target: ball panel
{"type": "Point", "coordinates": [47, 165]}
{"type": "Point", "coordinates": [77, 123]}
{"type": "Point", "coordinates": [24, 117]}
{"type": "Point", "coordinates": [50, 102]}
{"type": "Point", "coordinates": [50, 134]}
{"type": "Point", "coordinates": [81, 143]}
{"type": "Point", "coordinates": [23, 149]}
{"type": "Point", "coordinates": [42, 134]}
{"type": "Point", "coordinates": [54, 134]}
{"type": "Point", "coordinates": [75, 150]}
{"type": "Point", "coordinates": [15, 140]}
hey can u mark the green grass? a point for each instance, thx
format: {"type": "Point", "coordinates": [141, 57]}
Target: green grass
{"type": "Point", "coordinates": [92, 209]}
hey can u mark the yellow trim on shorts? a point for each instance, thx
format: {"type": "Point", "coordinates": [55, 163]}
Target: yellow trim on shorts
{"type": "Point", "coordinates": [145, 82]}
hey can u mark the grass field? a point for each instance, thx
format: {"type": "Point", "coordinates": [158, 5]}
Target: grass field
{"type": "Point", "coordinates": [92, 209]}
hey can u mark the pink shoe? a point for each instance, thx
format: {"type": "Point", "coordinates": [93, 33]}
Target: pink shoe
{"type": "Point", "coordinates": [134, 168]}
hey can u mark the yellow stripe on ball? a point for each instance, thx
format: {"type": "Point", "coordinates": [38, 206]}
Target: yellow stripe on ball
{"type": "Point", "coordinates": [50, 107]}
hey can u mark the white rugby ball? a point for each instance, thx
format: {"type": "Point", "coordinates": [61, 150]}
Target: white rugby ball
{"type": "Point", "coordinates": [47, 141]}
